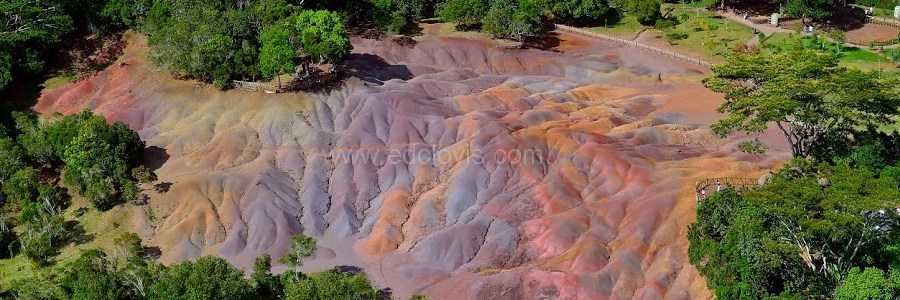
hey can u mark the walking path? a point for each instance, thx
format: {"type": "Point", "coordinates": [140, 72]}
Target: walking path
{"type": "Point", "coordinates": [632, 43]}
{"type": "Point", "coordinates": [768, 29]}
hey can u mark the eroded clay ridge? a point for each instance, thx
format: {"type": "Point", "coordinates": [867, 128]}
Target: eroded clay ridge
{"type": "Point", "coordinates": [453, 168]}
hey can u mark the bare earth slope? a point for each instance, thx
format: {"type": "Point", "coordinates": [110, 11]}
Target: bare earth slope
{"type": "Point", "coordinates": [473, 172]}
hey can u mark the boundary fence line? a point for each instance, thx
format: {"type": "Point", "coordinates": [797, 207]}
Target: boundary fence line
{"type": "Point", "coordinates": [707, 187]}
{"type": "Point", "coordinates": [633, 44]}
{"type": "Point", "coordinates": [254, 86]}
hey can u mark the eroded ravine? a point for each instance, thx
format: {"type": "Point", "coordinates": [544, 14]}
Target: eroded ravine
{"type": "Point", "coordinates": [474, 171]}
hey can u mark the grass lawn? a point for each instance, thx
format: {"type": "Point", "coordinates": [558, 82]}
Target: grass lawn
{"type": "Point", "coordinates": [58, 80]}
{"type": "Point", "coordinates": [100, 228]}
{"type": "Point", "coordinates": [625, 28]}
{"type": "Point", "coordinates": [705, 34]}
{"type": "Point", "coordinates": [850, 56]}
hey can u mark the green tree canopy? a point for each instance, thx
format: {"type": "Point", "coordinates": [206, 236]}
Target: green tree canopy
{"type": "Point", "coordinates": [28, 28]}
{"type": "Point", "coordinates": [90, 277]}
{"type": "Point", "coordinates": [465, 13]}
{"type": "Point", "coordinates": [869, 284]}
{"type": "Point", "coordinates": [517, 20]}
{"type": "Point", "coordinates": [98, 161]}
{"type": "Point", "coordinates": [331, 284]}
{"type": "Point", "coordinates": [319, 36]}
{"type": "Point", "coordinates": [800, 234]}
{"type": "Point", "coordinates": [279, 50]}
{"type": "Point", "coordinates": [206, 278]}
{"type": "Point", "coordinates": [814, 9]}
{"type": "Point", "coordinates": [818, 105]}
{"type": "Point", "coordinates": [322, 35]}
{"type": "Point", "coordinates": [579, 11]}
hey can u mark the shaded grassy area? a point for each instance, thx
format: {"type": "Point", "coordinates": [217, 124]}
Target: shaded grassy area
{"type": "Point", "coordinates": [99, 231]}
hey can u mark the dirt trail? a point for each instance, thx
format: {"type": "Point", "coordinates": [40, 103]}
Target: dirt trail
{"type": "Point", "coordinates": [473, 172]}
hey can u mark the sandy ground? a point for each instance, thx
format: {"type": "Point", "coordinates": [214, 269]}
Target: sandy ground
{"type": "Point", "coordinates": [872, 33]}
{"type": "Point", "coordinates": [456, 168]}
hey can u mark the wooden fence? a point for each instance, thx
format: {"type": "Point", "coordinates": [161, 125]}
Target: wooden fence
{"type": "Point", "coordinates": [633, 44]}
{"type": "Point", "coordinates": [707, 187]}
{"type": "Point", "coordinates": [255, 86]}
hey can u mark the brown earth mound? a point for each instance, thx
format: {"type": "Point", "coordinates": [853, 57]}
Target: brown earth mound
{"type": "Point", "coordinates": [453, 168]}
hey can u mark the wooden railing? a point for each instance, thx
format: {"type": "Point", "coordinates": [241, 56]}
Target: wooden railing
{"type": "Point", "coordinates": [255, 86]}
{"type": "Point", "coordinates": [632, 44]}
{"type": "Point", "coordinates": [707, 187]}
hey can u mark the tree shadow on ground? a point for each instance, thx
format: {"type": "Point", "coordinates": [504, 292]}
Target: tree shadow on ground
{"type": "Point", "coordinates": [548, 42]}
{"type": "Point", "coordinates": [374, 69]}
{"type": "Point", "coordinates": [154, 157]}
{"type": "Point", "coordinates": [75, 233]}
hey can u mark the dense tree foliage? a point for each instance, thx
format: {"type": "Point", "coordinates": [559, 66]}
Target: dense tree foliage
{"type": "Point", "coordinates": [646, 11]}
{"type": "Point", "coordinates": [98, 161]}
{"type": "Point", "coordinates": [579, 11]}
{"type": "Point", "coordinates": [812, 9]}
{"type": "Point", "coordinates": [330, 285]}
{"type": "Point", "coordinates": [465, 13]}
{"type": "Point", "coordinates": [28, 28]}
{"type": "Point", "coordinates": [206, 278]}
{"type": "Point", "coordinates": [801, 233]}
{"type": "Point", "coordinates": [206, 40]}
{"type": "Point", "coordinates": [826, 225]}
{"type": "Point", "coordinates": [869, 284]}
{"type": "Point", "coordinates": [217, 41]}
{"type": "Point", "coordinates": [818, 105]}
{"type": "Point", "coordinates": [95, 159]}
{"type": "Point", "coordinates": [126, 274]}
{"type": "Point", "coordinates": [516, 20]}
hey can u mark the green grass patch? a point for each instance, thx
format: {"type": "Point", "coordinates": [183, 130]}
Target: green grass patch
{"type": "Point", "coordinates": [58, 81]}
{"type": "Point", "coordinates": [849, 56]}
{"type": "Point", "coordinates": [858, 55]}
{"type": "Point", "coordinates": [100, 228]}
{"type": "Point", "coordinates": [13, 269]}
{"type": "Point", "coordinates": [626, 27]}
{"type": "Point", "coordinates": [705, 34]}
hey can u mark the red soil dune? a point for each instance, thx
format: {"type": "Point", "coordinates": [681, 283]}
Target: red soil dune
{"type": "Point", "coordinates": [473, 172]}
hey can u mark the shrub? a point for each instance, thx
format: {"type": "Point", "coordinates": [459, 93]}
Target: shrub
{"type": "Point", "coordinates": [465, 13]}
{"type": "Point", "coordinates": [41, 239]}
{"type": "Point", "coordinates": [142, 174]}
{"type": "Point", "coordinates": [675, 35]}
{"type": "Point", "coordinates": [664, 24]}
{"type": "Point", "coordinates": [646, 11]}
{"type": "Point", "coordinates": [331, 285]}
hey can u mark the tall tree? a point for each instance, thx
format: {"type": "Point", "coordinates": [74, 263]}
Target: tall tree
{"type": "Point", "coordinates": [809, 9]}
{"type": "Point", "coordinates": [465, 13]}
{"type": "Point", "coordinates": [318, 36]}
{"type": "Point", "coordinates": [818, 105]}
